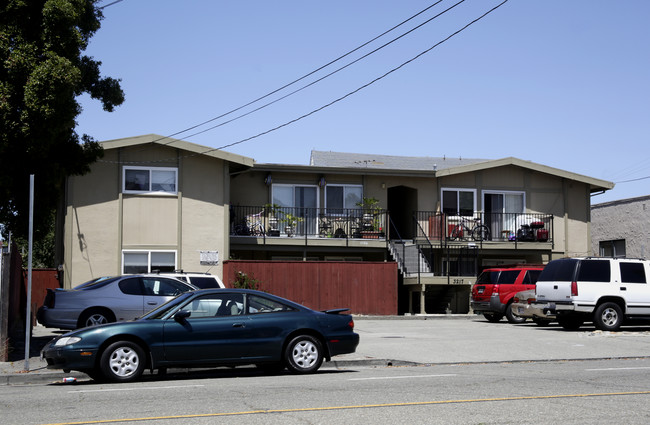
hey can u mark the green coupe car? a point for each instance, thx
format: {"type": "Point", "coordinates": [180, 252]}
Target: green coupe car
{"type": "Point", "coordinates": [205, 328]}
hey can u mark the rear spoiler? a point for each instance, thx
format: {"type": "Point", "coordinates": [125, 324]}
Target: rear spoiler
{"type": "Point", "coordinates": [335, 310]}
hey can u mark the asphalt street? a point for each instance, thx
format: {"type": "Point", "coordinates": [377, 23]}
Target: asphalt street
{"type": "Point", "coordinates": [432, 339]}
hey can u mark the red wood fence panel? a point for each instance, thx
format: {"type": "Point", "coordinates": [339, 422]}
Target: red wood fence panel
{"type": "Point", "coordinates": [363, 287]}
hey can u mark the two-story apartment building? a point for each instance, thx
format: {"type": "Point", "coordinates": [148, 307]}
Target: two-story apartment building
{"type": "Point", "coordinates": [155, 203]}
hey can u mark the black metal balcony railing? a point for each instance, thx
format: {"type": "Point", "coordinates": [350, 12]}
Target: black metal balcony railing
{"type": "Point", "coordinates": [480, 227]}
{"type": "Point", "coordinates": [308, 222]}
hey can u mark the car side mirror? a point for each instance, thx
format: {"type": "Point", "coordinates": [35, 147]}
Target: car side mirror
{"type": "Point", "coordinates": [182, 315]}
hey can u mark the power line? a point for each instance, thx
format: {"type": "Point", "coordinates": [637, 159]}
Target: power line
{"type": "Point", "coordinates": [109, 4]}
{"type": "Point", "coordinates": [320, 79]}
{"type": "Point", "coordinates": [303, 77]}
{"type": "Point", "coordinates": [633, 180]}
{"type": "Point", "coordinates": [349, 93]}
{"type": "Point", "coordinates": [365, 85]}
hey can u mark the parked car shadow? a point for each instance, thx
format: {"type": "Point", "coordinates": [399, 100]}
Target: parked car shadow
{"type": "Point", "coordinates": [36, 344]}
{"type": "Point", "coordinates": [215, 373]}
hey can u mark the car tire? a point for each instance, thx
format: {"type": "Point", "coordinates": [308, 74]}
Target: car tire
{"type": "Point", "coordinates": [570, 323]}
{"type": "Point", "coordinates": [304, 354]}
{"type": "Point", "coordinates": [95, 316]}
{"type": "Point", "coordinates": [493, 317]}
{"type": "Point", "coordinates": [512, 317]}
{"type": "Point", "coordinates": [122, 361]}
{"type": "Point", "coordinates": [608, 317]}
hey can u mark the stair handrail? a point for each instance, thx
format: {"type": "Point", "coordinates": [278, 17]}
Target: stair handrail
{"type": "Point", "coordinates": [402, 261]}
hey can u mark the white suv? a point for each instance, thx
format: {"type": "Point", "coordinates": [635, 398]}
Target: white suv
{"type": "Point", "coordinates": [603, 290]}
{"type": "Point", "coordinates": [200, 280]}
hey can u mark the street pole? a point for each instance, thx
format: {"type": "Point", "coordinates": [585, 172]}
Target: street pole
{"type": "Point", "coordinates": [28, 319]}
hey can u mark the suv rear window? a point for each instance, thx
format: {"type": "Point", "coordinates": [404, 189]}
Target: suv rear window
{"type": "Point", "coordinates": [487, 278]}
{"type": "Point", "coordinates": [594, 271]}
{"type": "Point", "coordinates": [508, 276]}
{"type": "Point", "coordinates": [559, 270]}
{"type": "Point", "coordinates": [204, 282]}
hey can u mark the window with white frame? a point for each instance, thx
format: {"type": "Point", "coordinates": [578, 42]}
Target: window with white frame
{"type": "Point", "coordinates": [149, 179]}
{"type": "Point", "coordinates": [139, 261]}
{"type": "Point", "coordinates": [458, 201]}
{"type": "Point", "coordinates": [341, 197]}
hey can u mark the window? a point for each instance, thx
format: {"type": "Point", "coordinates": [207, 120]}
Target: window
{"type": "Point", "coordinates": [559, 270]}
{"type": "Point", "coordinates": [150, 179]}
{"type": "Point", "coordinates": [508, 277]}
{"type": "Point", "coordinates": [612, 248]}
{"type": "Point", "coordinates": [594, 271]}
{"type": "Point", "coordinates": [131, 286]}
{"type": "Point", "coordinates": [134, 262]}
{"type": "Point", "coordinates": [162, 287]}
{"type": "Point", "coordinates": [257, 304]}
{"type": "Point", "coordinates": [632, 273]}
{"type": "Point", "coordinates": [459, 202]}
{"type": "Point", "coordinates": [215, 305]}
{"type": "Point", "coordinates": [531, 277]}
{"type": "Point", "coordinates": [339, 197]}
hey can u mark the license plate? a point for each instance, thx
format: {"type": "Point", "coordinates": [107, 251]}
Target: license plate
{"type": "Point", "coordinates": [480, 290]}
{"type": "Point", "coordinates": [520, 310]}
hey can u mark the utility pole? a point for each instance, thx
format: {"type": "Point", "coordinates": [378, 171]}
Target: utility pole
{"type": "Point", "coordinates": [28, 318]}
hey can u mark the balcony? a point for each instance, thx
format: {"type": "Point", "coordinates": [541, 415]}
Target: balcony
{"type": "Point", "coordinates": [293, 223]}
{"type": "Point", "coordinates": [484, 228]}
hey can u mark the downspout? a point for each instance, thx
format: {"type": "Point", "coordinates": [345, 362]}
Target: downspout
{"type": "Point", "coordinates": [120, 215]}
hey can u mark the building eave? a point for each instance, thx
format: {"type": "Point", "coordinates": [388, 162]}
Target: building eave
{"type": "Point", "coordinates": [194, 148]}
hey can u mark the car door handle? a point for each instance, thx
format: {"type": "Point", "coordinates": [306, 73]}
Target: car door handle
{"type": "Point", "coordinates": [238, 325]}
{"type": "Point", "coordinates": [152, 303]}
{"type": "Point", "coordinates": [623, 288]}
{"type": "Point", "coordinates": [555, 287]}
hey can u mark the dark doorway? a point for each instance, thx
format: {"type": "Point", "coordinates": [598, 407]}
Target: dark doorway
{"type": "Point", "coordinates": [402, 204]}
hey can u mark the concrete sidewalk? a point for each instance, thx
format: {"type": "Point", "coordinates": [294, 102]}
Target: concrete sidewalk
{"type": "Point", "coordinates": [436, 339]}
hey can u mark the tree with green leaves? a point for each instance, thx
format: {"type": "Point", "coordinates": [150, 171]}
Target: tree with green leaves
{"type": "Point", "coordinates": [42, 75]}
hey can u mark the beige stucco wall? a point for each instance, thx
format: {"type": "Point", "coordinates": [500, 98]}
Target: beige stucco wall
{"type": "Point", "coordinates": [101, 222]}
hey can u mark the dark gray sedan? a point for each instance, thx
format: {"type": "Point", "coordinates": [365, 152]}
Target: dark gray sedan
{"type": "Point", "coordinates": [108, 299]}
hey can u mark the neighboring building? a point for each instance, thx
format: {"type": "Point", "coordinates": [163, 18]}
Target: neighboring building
{"type": "Point", "coordinates": [279, 213]}
{"type": "Point", "coordinates": [620, 228]}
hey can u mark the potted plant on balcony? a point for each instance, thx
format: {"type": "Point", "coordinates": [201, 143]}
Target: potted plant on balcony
{"type": "Point", "coordinates": [271, 214]}
{"type": "Point", "coordinates": [291, 223]}
{"type": "Point", "coordinates": [370, 226]}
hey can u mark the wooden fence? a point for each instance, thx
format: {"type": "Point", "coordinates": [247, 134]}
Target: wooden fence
{"type": "Point", "coordinates": [368, 288]}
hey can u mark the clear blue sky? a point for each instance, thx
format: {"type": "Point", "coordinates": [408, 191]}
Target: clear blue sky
{"type": "Point", "coordinates": [564, 83]}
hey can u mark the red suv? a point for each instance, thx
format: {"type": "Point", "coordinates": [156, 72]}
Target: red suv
{"type": "Point", "coordinates": [495, 288]}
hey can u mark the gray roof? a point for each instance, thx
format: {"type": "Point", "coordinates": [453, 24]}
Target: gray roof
{"type": "Point", "coordinates": [390, 162]}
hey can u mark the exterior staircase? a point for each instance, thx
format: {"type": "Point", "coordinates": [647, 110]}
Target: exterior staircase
{"type": "Point", "coordinates": [407, 254]}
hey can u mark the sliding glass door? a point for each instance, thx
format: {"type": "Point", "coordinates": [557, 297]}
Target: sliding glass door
{"type": "Point", "coordinates": [301, 201]}
{"type": "Point", "coordinates": [501, 210]}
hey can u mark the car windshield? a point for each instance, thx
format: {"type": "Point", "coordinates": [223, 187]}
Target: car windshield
{"type": "Point", "coordinates": [164, 309]}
